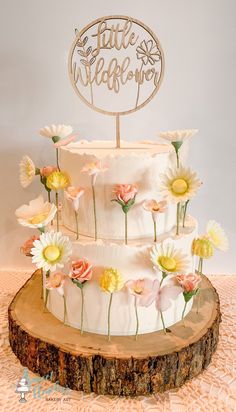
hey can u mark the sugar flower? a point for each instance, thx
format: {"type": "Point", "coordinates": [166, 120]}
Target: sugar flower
{"type": "Point", "coordinates": [51, 251]}
{"type": "Point", "coordinates": [94, 169]}
{"type": "Point", "coordinates": [178, 135]}
{"type": "Point", "coordinates": [73, 194]}
{"type": "Point", "coordinates": [202, 247]}
{"type": "Point", "coordinates": [56, 281]}
{"type": "Point", "coordinates": [58, 132]}
{"type": "Point", "coordinates": [27, 246]}
{"type": "Point", "coordinates": [81, 270]}
{"type": "Point", "coordinates": [217, 235]}
{"type": "Point", "coordinates": [164, 297]}
{"type": "Point", "coordinates": [110, 281]}
{"type": "Point", "coordinates": [27, 171]}
{"type": "Point", "coordinates": [144, 290]}
{"type": "Point", "coordinates": [189, 282]}
{"type": "Point", "coordinates": [37, 214]}
{"type": "Point", "coordinates": [168, 259]}
{"type": "Point", "coordinates": [48, 170]}
{"type": "Point", "coordinates": [155, 207]}
{"type": "Point", "coordinates": [57, 180]}
{"type": "Point", "coordinates": [179, 185]}
{"type": "Point", "coordinates": [125, 197]}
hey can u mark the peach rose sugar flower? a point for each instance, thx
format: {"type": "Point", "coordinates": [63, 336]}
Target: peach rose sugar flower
{"type": "Point", "coordinates": [189, 282]}
{"type": "Point", "coordinates": [125, 192]}
{"type": "Point", "coordinates": [81, 270]}
{"type": "Point", "coordinates": [27, 246]}
{"type": "Point", "coordinates": [47, 170]}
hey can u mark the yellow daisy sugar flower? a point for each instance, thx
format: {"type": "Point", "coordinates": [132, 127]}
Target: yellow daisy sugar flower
{"type": "Point", "coordinates": [37, 214]}
{"type": "Point", "coordinates": [111, 280]}
{"type": "Point", "coordinates": [179, 184]}
{"type": "Point", "coordinates": [168, 259]}
{"type": "Point", "coordinates": [202, 247]}
{"type": "Point", "coordinates": [27, 171]}
{"type": "Point", "coordinates": [51, 251]}
{"type": "Point", "coordinates": [58, 180]}
{"type": "Point", "coordinates": [217, 235]}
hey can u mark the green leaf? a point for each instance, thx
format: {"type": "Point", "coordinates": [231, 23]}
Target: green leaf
{"type": "Point", "coordinates": [77, 283]}
{"type": "Point", "coordinates": [118, 201]}
{"type": "Point", "coordinates": [130, 202]}
{"type": "Point", "coordinates": [177, 145]}
{"type": "Point", "coordinates": [37, 171]}
{"type": "Point", "coordinates": [189, 295]}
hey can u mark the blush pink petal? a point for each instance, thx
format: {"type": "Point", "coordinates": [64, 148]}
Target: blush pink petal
{"type": "Point", "coordinates": [65, 142]}
{"type": "Point", "coordinates": [165, 295]}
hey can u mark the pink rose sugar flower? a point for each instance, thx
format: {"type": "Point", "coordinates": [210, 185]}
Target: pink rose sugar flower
{"type": "Point", "coordinates": [28, 245]}
{"type": "Point", "coordinates": [125, 192]}
{"type": "Point", "coordinates": [47, 170]}
{"type": "Point", "coordinates": [189, 282]}
{"type": "Point", "coordinates": [81, 270]}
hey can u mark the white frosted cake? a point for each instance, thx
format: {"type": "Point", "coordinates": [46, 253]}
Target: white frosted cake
{"type": "Point", "coordinates": [142, 164]}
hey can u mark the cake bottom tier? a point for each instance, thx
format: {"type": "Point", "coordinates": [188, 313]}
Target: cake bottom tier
{"type": "Point", "coordinates": [124, 366]}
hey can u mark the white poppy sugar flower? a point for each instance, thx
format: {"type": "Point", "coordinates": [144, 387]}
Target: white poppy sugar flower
{"type": "Point", "coordinates": [73, 194]}
{"type": "Point", "coordinates": [168, 259]}
{"type": "Point", "coordinates": [178, 135]}
{"type": "Point", "coordinates": [52, 251]}
{"type": "Point", "coordinates": [27, 171]}
{"type": "Point", "coordinates": [217, 236]}
{"type": "Point", "coordinates": [60, 130]}
{"type": "Point", "coordinates": [37, 214]}
{"type": "Point", "coordinates": [179, 184]}
{"type": "Point", "coordinates": [56, 281]}
{"type": "Point", "coordinates": [151, 205]}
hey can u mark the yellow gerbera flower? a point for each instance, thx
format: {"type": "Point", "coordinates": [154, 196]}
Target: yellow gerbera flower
{"type": "Point", "coordinates": [57, 180]}
{"type": "Point", "coordinates": [217, 235]}
{"type": "Point", "coordinates": [168, 259]}
{"type": "Point", "coordinates": [111, 280]}
{"type": "Point", "coordinates": [180, 184]}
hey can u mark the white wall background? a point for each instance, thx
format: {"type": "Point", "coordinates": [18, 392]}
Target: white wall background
{"type": "Point", "coordinates": [199, 91]}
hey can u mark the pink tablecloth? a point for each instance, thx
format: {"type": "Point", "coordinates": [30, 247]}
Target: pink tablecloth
{"type": "Point", "coordinates": [214, 390]}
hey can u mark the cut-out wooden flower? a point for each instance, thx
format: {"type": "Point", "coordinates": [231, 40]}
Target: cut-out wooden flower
{"type": "Point", "coordinates": [27, 171]}
{"type": "Point", "coordinates": [51, 251]}
{"type": "Point", "coordinates": [37, 214]}
{"type": "Point", "coordinates": [155, 207]}
{"type": "Point", "coordinates": [168, 259]}
{"type": "Point", "coordinates": [217, 235]}
{"type": "Point", "coordinates": [179, 184]}
{"type": "Point", "coordinates": [148, 52]}
{"type": "Point", "coordinates": [144, 292]}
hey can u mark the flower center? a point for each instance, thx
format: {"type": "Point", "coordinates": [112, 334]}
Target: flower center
{"type": "Point", "coordinates": [38, 218]}
{"type": "Point", "coordinates": [179, 186]}
{"type": "Point", "coordinates": [51, 253]}
{"type": "Point", "coordinates": [168, 263]}
{"type": "Point", "coordinates": [28, 169]}
{"type": "Point", "coordinates": [138, 290]}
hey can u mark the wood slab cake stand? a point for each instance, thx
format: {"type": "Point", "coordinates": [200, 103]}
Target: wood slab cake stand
{"type": "Point", "coordinates": [154, 363]}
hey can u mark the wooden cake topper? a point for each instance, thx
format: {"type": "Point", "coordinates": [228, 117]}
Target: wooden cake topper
{"type": "Point", "coordinates": [116, 66]}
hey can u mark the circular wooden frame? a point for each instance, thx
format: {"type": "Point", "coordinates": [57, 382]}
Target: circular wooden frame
{"type": "Point", "coordinates": [154, 363]}
{"type": "Point", "coordinates": [71, 53]}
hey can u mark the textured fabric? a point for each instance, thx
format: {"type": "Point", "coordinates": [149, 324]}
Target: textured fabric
{"type": "Point", "coordinates": [213, 391]}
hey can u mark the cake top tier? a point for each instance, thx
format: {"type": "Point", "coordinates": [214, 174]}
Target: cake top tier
{"type": "Point", "coordinates": [103, 148]}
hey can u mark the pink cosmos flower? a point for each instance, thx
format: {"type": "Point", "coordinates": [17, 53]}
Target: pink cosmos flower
{"type": "Point", "coordinates": [81, 270]}
{"type": "Point", "coordinates": [74, 194]}
{"type": "Point", "coordinates": [27, 246]}
{"type": "Point", "coordinates": [93, 169]}
{"type": "Point", "coordinates": [144, 290]}
{"type": "Point", "coordinates": [125, 192]}
{"type": "Point", "coordinates": [47, 170]}
{"type": "Point", "coordinates": [155, 207]}
{"type": "Point", "coordinates": [66, 141]}
{"type": "Point", "coordinates": [56, 281]}
{"type": "Point", "coordinates": [165, 295]}
{"type": "Point", "coordinates": [189, 282]}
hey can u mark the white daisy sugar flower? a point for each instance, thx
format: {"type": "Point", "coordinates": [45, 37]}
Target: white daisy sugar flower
{"type": "Point", "coordinates": [27, 171]}
{"type": "Point", "coordinates": [168, 259]}
{"type": "Point", "coordinates": [61, 131]}
{"type": "Point", "coordinates": [37, 214]}
{"type": "Point", "coordinates": [217, 236]}
{"type": "Point", "coordinates": [52, 251]}
{"type": "Point", "coordinates": [179, 184]}
{"type": "Point", "coordinates": [178, 135]}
